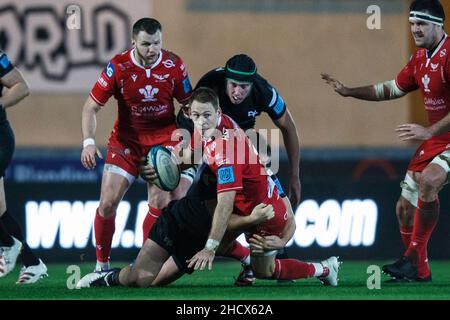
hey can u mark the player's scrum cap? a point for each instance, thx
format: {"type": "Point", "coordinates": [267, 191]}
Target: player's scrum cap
{"type": "Point", "coordinates": [422, 16]}
{"type": "Point", "coordinates": [240, 69]}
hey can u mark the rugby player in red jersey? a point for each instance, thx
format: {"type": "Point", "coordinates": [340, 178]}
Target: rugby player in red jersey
{"type": "Point", "coordinates": [428, 70]}
{"type": "Point", "coordinates": [144, 80]}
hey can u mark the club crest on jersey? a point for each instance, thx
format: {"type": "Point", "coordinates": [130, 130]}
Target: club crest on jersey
{"type": "Point", "coordinates": [443, 53]}
{"type": "Point", "coordinates": [426, 82]}
{"type": "Point", "coordinates": [149, 93]}
{"type": "Point", "coordinates": [168, 63]}
{"type": "Point", "coordinates": [134, 77]}
{"type": "Point", "coordinates": [225, 175]}
{"type": "Point", "coordinates": [434, 66]}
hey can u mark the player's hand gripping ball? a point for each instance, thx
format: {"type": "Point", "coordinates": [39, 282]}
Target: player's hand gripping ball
{"type": "Point", "coordinates": [166, 168]}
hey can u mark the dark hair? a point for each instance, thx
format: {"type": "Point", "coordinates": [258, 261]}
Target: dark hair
{"type": "Point", "coordinates": [205, 95]}
{"type": "Point", "coordinates": [149, 25]}
{"type": "Point", "coordinates": [432, 7]}
{"type": "Point", "coordinates": [240, 68]}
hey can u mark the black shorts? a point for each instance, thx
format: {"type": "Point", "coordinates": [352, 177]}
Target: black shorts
{"type": "Point", "coordinates": [182, 229]}
{"type": "Point", "coordinates": [6, 146]}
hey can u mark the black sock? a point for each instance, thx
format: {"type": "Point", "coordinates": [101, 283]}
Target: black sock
{"type": "Point", "coordinates": [11, 225]}
{"type": "Point", "coordinates": [5, 238]}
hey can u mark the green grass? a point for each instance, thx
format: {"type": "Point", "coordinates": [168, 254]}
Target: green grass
{"type": "Point", "coordinates": [217, 284]}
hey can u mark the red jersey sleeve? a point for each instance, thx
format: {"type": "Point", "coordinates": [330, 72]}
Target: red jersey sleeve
{"type": "Point", "coordinates": [182, 89]}
{"type": "Point", "coordinates": [105, 86]}
{"type": "Point", "coordinates": [229, 171]}
{"type": "Point", "coordinates": [406, 80]}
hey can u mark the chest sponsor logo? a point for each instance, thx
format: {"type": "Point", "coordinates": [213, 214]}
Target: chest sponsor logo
{"type": "Point", "coordinates": [168, 63]}
{"type": "Point", "coordinates": [149, 93]}
{"type": "Point", "coordinates": [426, 82]}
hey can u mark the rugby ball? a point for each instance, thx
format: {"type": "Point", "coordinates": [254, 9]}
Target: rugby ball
{"type": "Point", "coordinates": [165, 166]}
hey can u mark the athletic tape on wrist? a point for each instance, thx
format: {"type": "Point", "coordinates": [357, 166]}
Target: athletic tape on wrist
{"type": "Point", "coordinates": [88, 142]}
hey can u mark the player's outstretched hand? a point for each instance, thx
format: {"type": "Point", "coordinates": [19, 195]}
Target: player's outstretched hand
{"type": "Point", "coordinates": [262, 212]}
{"type": "Point", "coordinates": [201, 259]}
{"type": "Point", "coordinates": [338, 86]}
{"type": "Point", "coordinates": [146, 171]}
{"type": "Point", "coordinates": [88, 156]}
{"type": "Point", "coordinates": [412, 131]}
{"type": "Point", "coordinates": [259, 244]}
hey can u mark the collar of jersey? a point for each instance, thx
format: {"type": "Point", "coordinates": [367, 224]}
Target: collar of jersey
{"type": "Point", "coordinates": [140, 65]}
{"type": "Point", "coordinates": [431, 53]}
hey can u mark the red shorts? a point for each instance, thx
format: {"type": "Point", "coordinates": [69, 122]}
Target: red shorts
{"type": "Point", "coordinates": [126, 153]}
{"type": "Point", "coordinates": [426, 152]}
{"type": "Point", "coordinates": [274, 226]}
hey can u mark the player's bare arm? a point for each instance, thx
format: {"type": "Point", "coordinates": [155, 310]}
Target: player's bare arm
{"type": "Point", "coordinates": [291, 141]}
{"type": "Point", "coordinates": [88, 127]}
{"type": "Point", "coordinates": [222, 213]}
{"type": "Point", "coordinates": [261, 213]}
{"type": "Point", "coordinates": [412, 131]}
{"type": "Point", "coordinates": [17, 88]}
{"type": "Point", "coordinates": [379, 92]}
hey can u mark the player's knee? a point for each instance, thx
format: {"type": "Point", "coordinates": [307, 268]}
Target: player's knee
{"type": "Point", "coordinates": [107, 208]}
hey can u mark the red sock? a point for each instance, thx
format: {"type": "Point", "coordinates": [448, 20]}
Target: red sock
{"type": "Point", "coordinates": [149, 221]}
{"type": "Point", "coordinates": [425, 218]}
{"type": "Point", "coordinates": [104, 230]}
{"type": "Point", "coordinates": [291, 269]}
{"type": "Point", "coordinates": [406, 233]}
{"type": "Point", "coordinates": [238, 251]}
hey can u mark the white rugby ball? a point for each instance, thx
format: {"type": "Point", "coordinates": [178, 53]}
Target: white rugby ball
{"type": "Point", "coordinates": [166, 168]}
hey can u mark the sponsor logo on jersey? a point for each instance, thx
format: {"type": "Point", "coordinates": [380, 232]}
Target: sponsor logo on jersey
{"type": "Point", "coordinates": [443, 53]}
{"type": "Point", "coordinates": [149, 93]}
{"type": "Point", "coordinates": [102, 82]}
{"type": "Point", "coordinates": [252, 113]}
{"type": "Point", "coordinates": [134, 77]}
{"type": "Point", "coordinates": [279, 106]}
{"type": "Point", "coordinates": [4, 62]}
{"type": "Point", "coordinates": [161, 77]}
{"type": "Point", "coordinates": [426, 82]}
{"type": "Point", "coordinates": [225, 175]}
{"type": "Point", "coordinates": [187, 85]}
{"type": "Point", "coordinates": [109, 71]}
{"type": "Point", "coordinates": [168, 63]}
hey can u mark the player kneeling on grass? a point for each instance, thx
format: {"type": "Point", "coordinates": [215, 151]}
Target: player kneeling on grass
{"type": "Point", "coordinates": [186, 227]}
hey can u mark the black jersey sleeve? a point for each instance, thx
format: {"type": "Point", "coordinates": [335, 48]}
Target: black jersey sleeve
{"type": "Point", "coordinates": [214, 79]}
{"type": "Point", "coordinates": [271, 100]}
{"type": "Point", "coordinates": [5, 65]}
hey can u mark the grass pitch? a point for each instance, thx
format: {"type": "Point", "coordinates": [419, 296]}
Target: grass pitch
{"type": "Point", "coordinates": [218, 285]}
